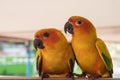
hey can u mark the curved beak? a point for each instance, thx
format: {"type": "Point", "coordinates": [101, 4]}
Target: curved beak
{"type": "Point", "coordinates": [68, 27]}
{"type": "Point", "coordinates": [38, 43]}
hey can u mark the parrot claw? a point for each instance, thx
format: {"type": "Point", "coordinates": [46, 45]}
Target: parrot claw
{"type": "Point", "coordinates": [94, 77]}
{"type": "Point", "coordinates": [70, 75]}
{"type": "Point", "coordinates": [45, 75]}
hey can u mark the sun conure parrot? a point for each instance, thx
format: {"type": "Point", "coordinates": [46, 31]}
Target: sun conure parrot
{"type": "Point", "coordinates": [54, 54]}
{"type": "Point", "coordinates": [91, 52]}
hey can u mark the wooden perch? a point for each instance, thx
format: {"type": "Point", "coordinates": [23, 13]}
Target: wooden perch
{"type": "Point", "coordinates": [37, 78]}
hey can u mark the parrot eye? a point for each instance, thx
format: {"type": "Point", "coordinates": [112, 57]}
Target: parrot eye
{"type": "Point", "coordinates": [45, 35]}
{"type": "Point", "coordinates": [79, 23]}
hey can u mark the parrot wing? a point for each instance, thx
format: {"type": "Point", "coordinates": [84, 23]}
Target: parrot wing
{"type": "Point", "coordinates": [71, 65]}
{"type": "Point", "coordinates": [39, 61]}
{"type": "Point", "coordinates": [71, 60]}
{"type": "Point", "coordinates": [104, 54]}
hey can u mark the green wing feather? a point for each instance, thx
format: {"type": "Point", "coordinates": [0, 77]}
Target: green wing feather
{"type": "Point", "coordinates": [104, 54]}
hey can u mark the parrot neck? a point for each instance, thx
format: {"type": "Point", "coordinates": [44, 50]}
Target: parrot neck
{"type": "Point", "coordinates": [55, 50]}
{"type": "Point", "coordinates": [56, 47]}
{"type": "Point", "coordinates": [81, 37]}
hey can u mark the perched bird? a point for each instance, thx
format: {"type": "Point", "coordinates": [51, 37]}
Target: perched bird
{"type": "Point", "coordinates": [54, 54]}
{"type": "Point", "coordinates": [91, 52]}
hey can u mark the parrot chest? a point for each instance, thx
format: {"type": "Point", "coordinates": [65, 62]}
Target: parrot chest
{"type": "Point", "coordinates": [85, 57]}
{"type": "Point", "coordinates": [54, 62]}
{"type": "Point", "coordinates": [88, 58]}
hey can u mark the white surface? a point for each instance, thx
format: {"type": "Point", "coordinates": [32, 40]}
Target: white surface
{"type": "Point", "coordinates": [33, 14]}
{"type": "Point", "coordinates": [23, 17]}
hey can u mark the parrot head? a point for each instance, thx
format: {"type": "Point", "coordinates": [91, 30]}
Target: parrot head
{"type": "Point", "coordinates": [47, 38]}
{"type": "Point", "coordinates": [78, 24]}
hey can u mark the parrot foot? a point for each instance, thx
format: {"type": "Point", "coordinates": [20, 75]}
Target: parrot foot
{"type": "Point", "coordinates": [83, 75]}
{"type": "Point", "coordinates": [45, 75]}
{"type": "Point", "coordinates": [94, 77]}
{"type": "Point", "coordinates": [70, 75]}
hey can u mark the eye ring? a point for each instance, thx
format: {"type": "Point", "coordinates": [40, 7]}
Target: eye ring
{"type": "Point", "coordinates": [45, 35]}
{"type": "Point", "coordinates": [78, 23]}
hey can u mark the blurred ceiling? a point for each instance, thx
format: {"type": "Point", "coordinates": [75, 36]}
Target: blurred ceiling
{"type": "Point", "coordinates": [21, 18]}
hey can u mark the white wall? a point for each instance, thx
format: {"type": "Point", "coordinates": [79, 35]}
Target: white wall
{"type": "Point", "coordinates": [22, 15]}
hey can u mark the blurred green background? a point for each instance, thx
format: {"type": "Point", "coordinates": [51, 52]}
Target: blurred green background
{"type": "Point", "coordinates": [18, 59]}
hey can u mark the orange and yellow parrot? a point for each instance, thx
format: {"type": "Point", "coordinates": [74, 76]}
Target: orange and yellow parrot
{"type": "Point", "coordinates": [54, 54]}
{"type": "Point", "coordinates": [91, 52]}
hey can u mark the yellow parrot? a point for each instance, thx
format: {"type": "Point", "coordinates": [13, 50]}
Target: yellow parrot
{"type": "Point", "coordinates": [55, 57]}
{"type": "Point", "coordinates": [91, 52]}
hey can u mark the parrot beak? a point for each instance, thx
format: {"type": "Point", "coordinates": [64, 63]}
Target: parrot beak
{"type": "Point", "coordinates": [68, 27]}
{"type": "Point", "coordinates": [38, 43]}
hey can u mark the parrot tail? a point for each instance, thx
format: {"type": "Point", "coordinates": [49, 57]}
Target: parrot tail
{"type": "Point", "coordinates": [111, 73]}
